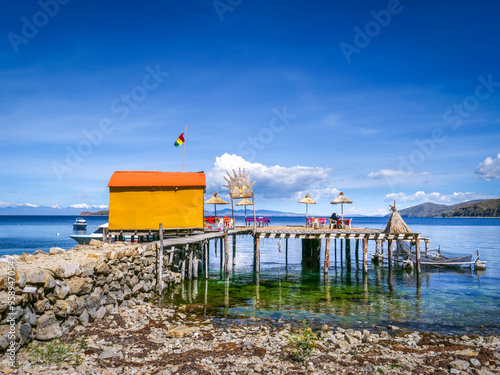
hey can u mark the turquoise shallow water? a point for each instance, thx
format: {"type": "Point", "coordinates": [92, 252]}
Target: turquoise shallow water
{"type": "Point", "coordinates": [452, 301]}
{"type": "Point", "coordinates": [445, 300]}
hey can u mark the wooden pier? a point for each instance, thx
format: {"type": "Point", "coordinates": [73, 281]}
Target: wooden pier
{"type": "Point", "coordinates": [192, 246]}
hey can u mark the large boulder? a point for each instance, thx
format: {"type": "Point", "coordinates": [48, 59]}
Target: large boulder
{"type": "Point", "coordinates": [61, 289]}
{"type": "Point", "coordinates": [37, 276]}
{"type": "Point", "coordinates": [65, 270]}
{"type": "Point", "coordinates": [62, 308]}
{"type": "Point", "coordinates": [48, 327]}
{"type": "Point", "coordinates": [79, 285]}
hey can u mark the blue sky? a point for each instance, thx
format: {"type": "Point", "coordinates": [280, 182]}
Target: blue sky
{"type": "Point", "coordinates": [381, 100]}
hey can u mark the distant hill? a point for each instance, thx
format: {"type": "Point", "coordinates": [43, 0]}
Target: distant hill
{"type": "Point", "coordinates": [424, 210]}
{"type": "Point", "coordinates": [477, 208]}
{"type": "Point", "coordinates": [98, 213]}
{"type": "Point", "coordinates": [489, 208]}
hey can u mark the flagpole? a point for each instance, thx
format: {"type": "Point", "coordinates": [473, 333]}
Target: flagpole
{"type": "Point", "coordinates": [184, 153]}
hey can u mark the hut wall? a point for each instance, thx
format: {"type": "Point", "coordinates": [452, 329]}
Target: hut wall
{"type": "Point", "coordinates": [140, 208]}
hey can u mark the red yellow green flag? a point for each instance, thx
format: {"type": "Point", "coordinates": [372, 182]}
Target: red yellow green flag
{"type": "Point", "coordinates": [179, 140]}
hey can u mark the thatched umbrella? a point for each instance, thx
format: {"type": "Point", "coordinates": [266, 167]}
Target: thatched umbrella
{"type": "Point", "coordinates": [341, 199]}
{"type": "Point", "coordinates": [244, 202]}
{"type": "Point", "coordinates": [307, 200]}
{"type": "Point", "coordinates": [396, 223]}
{"type": "Point", "coordinates": [215, 200]}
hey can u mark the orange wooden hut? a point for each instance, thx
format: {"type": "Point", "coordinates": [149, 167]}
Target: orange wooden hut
{"type": "Point", "coordinates": [141, 200]}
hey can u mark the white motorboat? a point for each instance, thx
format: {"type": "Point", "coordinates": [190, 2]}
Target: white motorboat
{"type": "Point", "coordinates": [80, 224]}
{"type": "Point", "coordinates": [84, 239]}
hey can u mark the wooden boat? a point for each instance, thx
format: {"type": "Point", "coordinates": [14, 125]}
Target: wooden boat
{"type": "Point", "coordinates": [436, 257]}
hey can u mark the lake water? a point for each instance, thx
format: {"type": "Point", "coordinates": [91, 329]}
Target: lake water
{"type": "Point", "coordinates": [445, 300]}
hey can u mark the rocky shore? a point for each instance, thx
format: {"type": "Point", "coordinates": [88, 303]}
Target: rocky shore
{"type": "Point", "coordinates": [142, 338]}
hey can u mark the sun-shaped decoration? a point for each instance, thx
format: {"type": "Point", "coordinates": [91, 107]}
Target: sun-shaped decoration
{"type": "Point", "coordinates": [239, 185]}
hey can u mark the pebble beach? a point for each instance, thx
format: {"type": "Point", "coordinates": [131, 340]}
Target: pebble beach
{"type": "Point", "coordinates": [143, 338]}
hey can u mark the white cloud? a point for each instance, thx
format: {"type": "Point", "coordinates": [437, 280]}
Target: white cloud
{"type": "Point", "coordinates": [271, 181]}
{"type": "Point", "coordinates": [316, 194]}
{"type": "Point", "coordinates": [4, 204]}
{"type": "Point", "coordinates": [87, 206]}
{"type": "Point", "coordinates": [57, 206]}
{"type": "Point", "coordinates": [489, 169]}
{"type": "Point", "coordinates": [393, 174]}
{"type": "Point", "coordinates": [422, 196]}
{"type": "Point", "coordinates": [386, 173]}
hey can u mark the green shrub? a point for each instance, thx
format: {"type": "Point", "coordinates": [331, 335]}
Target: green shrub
{"type": "Point", "coordinates": [301, 343]}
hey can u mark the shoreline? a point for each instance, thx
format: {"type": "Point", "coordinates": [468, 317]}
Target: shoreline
{"type": "Point", "coordinates": [142, 338]}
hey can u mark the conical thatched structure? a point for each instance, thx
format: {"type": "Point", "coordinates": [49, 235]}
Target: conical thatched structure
{"type": "Point", "coordinates": [396, 223]}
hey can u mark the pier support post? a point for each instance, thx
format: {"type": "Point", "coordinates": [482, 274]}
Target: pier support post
{"type": "Point", "coordinates": [234, 250]}
{"type": "Point", "coordinates": [389, 249]}
{"type": "Point", "coordinates": [311, 251]}
{"type": "Point", "coordinates": [417, 248]}
{"type": "Point", "coordinates": [195, 262]}
{"type": "Point", "coordinates": [256, 254]}
{"type": "Point", "coordinates": [160, 262]}
{"type": "Point", "coordinates": [205, 258]}
{"type": "Point", "coordinates": [286, 252]}
{"type": "Point", "coordinates": [190, 263]}
{"type": "Point", "coordinates": [348, 252]}
{"type": "Point", "coordinates": [357, 253]}
{"type": "Point", "coordinates": [426, 248]}
{"type": "Point", "coordinates": [226, 254]}
{"type": "Point", "coordinates": [335, 251]}
{"type": "Point", "coordinates": [327, 255]}
{"type": "Point", "coordinates": [221, 240]}
{"type": "Point", "coordinates": [365, 255]}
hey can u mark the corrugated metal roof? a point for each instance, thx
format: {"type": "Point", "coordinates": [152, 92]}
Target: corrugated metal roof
{"type": "Point", "coordinates": [150, 178]}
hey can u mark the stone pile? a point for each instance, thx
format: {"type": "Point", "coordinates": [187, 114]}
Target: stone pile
{"type": "Point", "coordinates": [52, 293]}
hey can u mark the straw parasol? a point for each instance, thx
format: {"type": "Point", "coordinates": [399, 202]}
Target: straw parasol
{"type": "Point", "coordinates": [307, 200]}
{"type": "Point", "coordinates": [244, 202]}
{"type": "Point", "coordinates": [215, 200]}
{"type": "Point", "coordinates": [341, 199]}
{"type": "Point", "coordinates": [396, 223]}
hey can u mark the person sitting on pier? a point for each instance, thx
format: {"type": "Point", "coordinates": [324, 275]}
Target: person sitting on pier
{"type": "Point", "coordinates": [334, 220]}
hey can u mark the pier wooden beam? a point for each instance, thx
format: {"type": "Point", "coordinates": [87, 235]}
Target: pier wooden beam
{"type": "Point", "coordinates": [365, 255]}
{"type": "Point", "coordinates": [226, 254]}
{"type": "Point", "coordinates": [256, 254]}
{"type": "Point", "coordinates": [327, 255]}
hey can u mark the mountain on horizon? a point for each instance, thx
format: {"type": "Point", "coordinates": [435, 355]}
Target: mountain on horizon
{"type": "Point", "coordinates": [475, 208]}
{"type": "Point", "coordinates": [23, 209]}
{"type": "Point", "coordinates": [28, 209]}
